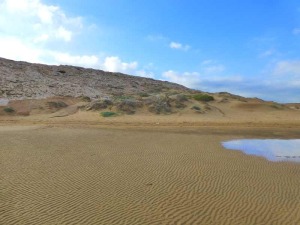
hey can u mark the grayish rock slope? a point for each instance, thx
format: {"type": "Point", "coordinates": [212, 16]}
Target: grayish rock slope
{"type": "Point", "coordinates": [22, 80]}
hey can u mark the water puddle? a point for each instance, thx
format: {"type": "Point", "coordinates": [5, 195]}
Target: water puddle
{"type": "Point", "coordinates": [271, 149]}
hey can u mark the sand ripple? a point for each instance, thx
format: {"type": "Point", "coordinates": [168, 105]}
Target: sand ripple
{"type": "Point", "coordinates": [93, 176]}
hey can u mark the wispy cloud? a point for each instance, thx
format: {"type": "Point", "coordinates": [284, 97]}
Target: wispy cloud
{"type": "Point", "coordinates": [267, 53]}
{"type": "Point", "coordinates": [34, 20]}
{"type": "Point", "coordinates": [200, 81]}
{"type": "Point", "coordinates": [288, 68]}
{"type": "Point", "coordinates": [91, 61]}
{"type": "Point", "coordinates": [211, 67]}
{"type": "Point", "coordinates": [281, 82]}
{"type": "Point", "coordinates": [114, 64]}
{"type": "Point", "coordinates": [179, 46]}
{"type": "Point", "coordinates": [30, 29]}
{"type": "Point", "coordinates": [296, 31]}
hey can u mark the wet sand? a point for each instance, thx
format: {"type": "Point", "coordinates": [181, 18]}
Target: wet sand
{"type": "Point", "coordinates": [96, 175]}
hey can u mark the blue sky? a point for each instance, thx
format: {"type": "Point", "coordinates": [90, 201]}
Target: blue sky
{"type": "Point", "coordinates": [249, 47]}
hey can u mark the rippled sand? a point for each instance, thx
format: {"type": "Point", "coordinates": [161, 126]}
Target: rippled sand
{"type": "Point", "coordinates": [106, 176]}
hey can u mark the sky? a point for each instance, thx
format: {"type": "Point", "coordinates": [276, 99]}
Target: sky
{"type": "Point", "coordinates": [250, 47]}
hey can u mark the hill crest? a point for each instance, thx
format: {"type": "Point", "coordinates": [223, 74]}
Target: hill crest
{"type": "Point", "coordinates": [23, 80]}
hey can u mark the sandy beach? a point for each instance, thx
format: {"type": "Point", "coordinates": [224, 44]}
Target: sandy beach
{"type": "Point", "coordinates": [73, 174]}
{"type": "Point", "coordinates": [149, 112]}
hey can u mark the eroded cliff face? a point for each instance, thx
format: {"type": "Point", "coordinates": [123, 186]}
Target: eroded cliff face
{"type": "Point", "coordinates": [22, 80]}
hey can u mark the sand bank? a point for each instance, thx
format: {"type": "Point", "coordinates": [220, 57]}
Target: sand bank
{"type": "Point", "coordinates": [61, 175]}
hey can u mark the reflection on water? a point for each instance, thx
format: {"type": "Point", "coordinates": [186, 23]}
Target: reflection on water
{"type": "Point", "coordinates": [3, 101]}
{"type": "Point", "coordinates": [271, 149]}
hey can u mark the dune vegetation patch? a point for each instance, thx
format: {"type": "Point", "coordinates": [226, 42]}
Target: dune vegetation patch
{"type": "Point", "coordinates": [203, 97]}
{"type": "Point", "coordinates": [108, 114]}
{"type": "Point", "coordinates": [57, 105]}
{"type": "Point", "coordinates": [8, 110]}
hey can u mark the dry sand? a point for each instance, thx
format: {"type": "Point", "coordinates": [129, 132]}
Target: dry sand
{"type": "Point", "coordinates": [94, 175]}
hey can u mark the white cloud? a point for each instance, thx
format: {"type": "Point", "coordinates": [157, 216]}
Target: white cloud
{"type": "Point", "coordinates": [34, 21]}
{"type": "Point", "coordinates": [189, 79]}
{"type": "Point", "coordinates": [280, 82]}
{"type": "Point", "coordinates": [214, 69]}
{"type": "Point", "coordinates": [211, 67]}
{"type": "Point", "coordinates": [63, 33]}
{"type": "Point", "coordinates": [179, 46]}
{"type": "Point", "coordinates": [197, 80]}
{"type": "Point", "coordinates": [114, 64]}
{"type": "Point", "coordinates": [30, 29]}
{"type": "Point", "coordinates": [41, 38]}
{"type": "Point", "coordinates": [288, 68]}
{"type": "Point", "coordinates": [78, 60]}
{"type": "Point", "coordinates": [267, 53]}
{"type": "Point", "coordinates": [14, 48]}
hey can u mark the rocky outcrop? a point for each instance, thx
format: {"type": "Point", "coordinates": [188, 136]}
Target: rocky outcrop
{"type": "Point", "coordinates": [22, 80]}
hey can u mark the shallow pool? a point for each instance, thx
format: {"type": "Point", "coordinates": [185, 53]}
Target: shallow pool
{"type": "Point", "coordinates": [271, 149]}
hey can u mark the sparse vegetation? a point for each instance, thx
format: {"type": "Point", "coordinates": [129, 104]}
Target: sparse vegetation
{"type": "Point", "coordinates": [86, 99]}
{"type": "Point", "coordinates": [8, 110]}
{"type": "Point", "coordinates": [181, 98]}
{"type": "Point", "coordinates": [122, 97]}
{"type": "Point", "coordinates": [196, 108]}
{"type": "Point", "coordinates": [57, 105]}
{"type": "Point", "coordinates": [277, 106]}
{"type": "Point", "coordinates": [143, 94]}
{"type": "Point", "coordinates": [160, 104]}
{"type": "Point", "coordinates": [99, 105]}
{"type": "Point", "coordinates": [129, 106]}
{"type": "Point", "coordinates": [108, 114]}
{"type": "Point", "coordinates": [203, 97]}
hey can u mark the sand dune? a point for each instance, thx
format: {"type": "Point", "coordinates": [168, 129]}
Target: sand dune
{"type": "Point", "coordinates": [107, 176]}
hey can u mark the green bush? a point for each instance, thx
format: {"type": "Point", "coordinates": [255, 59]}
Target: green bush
{"type": "Point", "coordinates": [86, 99]}
{"type": "Point", "coordinates": [9, 110]}
{"type": "Point", "coordinates": [144, 94]}
{"type": "Point", "coordinates": [203, 97]}
{"type": "Point", "coordinates": [196, 108]}
{"type": "Point", "coordinates": [123, 97]}
{"type": "Point", "coordinates": [108, 114]}
{"type": "Point", "coordinates": [181, 98]}
{"type": "Point", "coordinates": [57, 105]}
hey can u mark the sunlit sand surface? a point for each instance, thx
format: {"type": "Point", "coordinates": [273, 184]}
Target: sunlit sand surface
{"type": "Point", "coordinates": [120, 176]}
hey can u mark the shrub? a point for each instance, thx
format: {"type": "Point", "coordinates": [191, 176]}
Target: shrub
{"type": "Point", "coordinates": [196, 108]}
{"type": "Point", "coordinates": [57, 105]}
{"type": "Point", "coordinates": [277, 106]}
{"type": "Point", "coordinates": [203, 97]}
{"type": "Point", "coordinates": [129, 106]}
{"type": "Point", "coordinates": [143, 94]}
{"type": "Point", "coordinates": [86, 99]}
{"type": "Point", "coordinates": [99, 105]}
{"type": "Point", "coordinates": [159, 104]}
{"type": "Point", "coordinates": [122, 97]}
{"type": "Point", "coordinates": [179, 105]}
{"type": "Point", "coordinates": [108, 114]}
{"type": "Point", "coordinates": [181, 98]}
{"type": "Point", "coordinates": [9, 110]}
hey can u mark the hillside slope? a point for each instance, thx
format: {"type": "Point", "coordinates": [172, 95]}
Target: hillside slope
{"type": "Point", "coordinates": [19, 80]}
{"type": "Point", "coordinates": [28, 89]}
